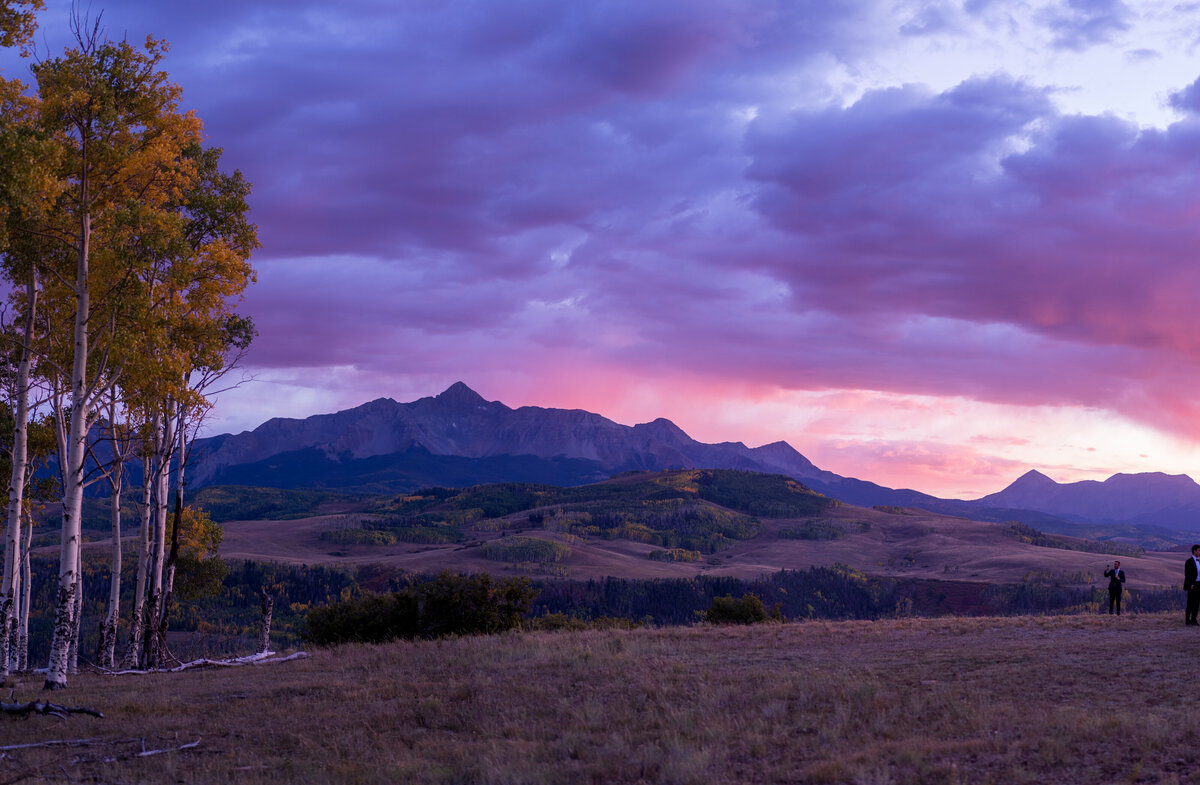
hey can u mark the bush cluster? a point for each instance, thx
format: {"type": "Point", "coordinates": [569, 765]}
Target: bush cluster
{"type": "Point", "coordinates": [676, 554]}
{"type": "Point", "coordinates": [823, 529]}
{"type": "Point", "coordinates": [748, 609]}
{"type": "Point", "coordinates": [383, 534]}
{"type": "Point", "coordinates": [446, 605]}
{"type": "Point", "coordinates": [358, 537]}
{"type": "Point", "coordinates": [525, 549]}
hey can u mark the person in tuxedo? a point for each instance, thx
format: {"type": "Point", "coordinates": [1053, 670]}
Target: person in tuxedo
{"type": "Point", "coordinates": [1116, 577]}
{"type": "Point", "coordinates": [1191, 584]}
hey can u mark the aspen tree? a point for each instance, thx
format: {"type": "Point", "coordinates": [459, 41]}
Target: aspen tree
{"type": "Point", "coordinates": [18, 21]}
{"type": "Point", "coordinates": [214, 271]}
{"type": "Point", "coordinates": [149, 248]}
{"type": "Point", "coordinates": [116, 117]}
{"type": "Point", "coordinates": [10, 589]}
{"type": "Point", "coordinates": [27, 191]}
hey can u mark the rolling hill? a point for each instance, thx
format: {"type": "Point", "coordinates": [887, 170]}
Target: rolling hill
{"type": "Point", "coordinates": [678, 524]}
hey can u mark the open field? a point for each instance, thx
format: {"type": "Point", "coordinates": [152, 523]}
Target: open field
{"type": "Point", "coordinates": [916, 545]}
{"type": "Point", "coordinates": [982, 700]}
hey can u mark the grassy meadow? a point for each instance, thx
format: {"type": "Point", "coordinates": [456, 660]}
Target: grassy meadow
{"type": "Point", "coordinates": [1065, 699]}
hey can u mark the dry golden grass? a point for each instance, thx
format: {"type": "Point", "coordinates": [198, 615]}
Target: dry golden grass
{"type": "Point", "coordinates": [995, 700]}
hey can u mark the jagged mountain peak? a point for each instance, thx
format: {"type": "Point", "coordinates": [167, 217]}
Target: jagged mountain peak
{"type": "Point", "coordinates": [375, 405]}
{"type": "Point", "coordinates": [662, 428]}
{"type": "Point", "coordinates": [460, 394]}
{"type": "Point", "coordinates": [1033, 479]}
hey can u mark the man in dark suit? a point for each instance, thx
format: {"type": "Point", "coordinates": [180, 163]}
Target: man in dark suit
{"type": "Point", "coordinates": [1191, 571]}
{"type": "Point", "coordinates": [1116, 577]}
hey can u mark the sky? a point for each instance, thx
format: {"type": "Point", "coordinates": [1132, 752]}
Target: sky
{"type": "Point", "coordinates": [929, 244]}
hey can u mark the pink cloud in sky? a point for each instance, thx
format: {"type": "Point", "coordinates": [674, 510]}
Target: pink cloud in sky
{"type": "Point", "coordinates": [653, 209]}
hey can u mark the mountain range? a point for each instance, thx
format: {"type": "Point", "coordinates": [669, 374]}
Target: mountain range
{"type": "Point", "coordinates": [458, 438]}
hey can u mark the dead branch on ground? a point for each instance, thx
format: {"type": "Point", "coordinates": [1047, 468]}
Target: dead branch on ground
{"type": "Point", "coordinates": [145, 753]}
{"type": "Point", "coordinates": [64, 743]}
{"type": "Point", "coordinates": [42, 707]}
{"type": "Point", "coordinates": [262, 658]}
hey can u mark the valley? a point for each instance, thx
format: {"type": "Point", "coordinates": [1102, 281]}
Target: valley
{"type": "Point", "coordinates": [909, 544]}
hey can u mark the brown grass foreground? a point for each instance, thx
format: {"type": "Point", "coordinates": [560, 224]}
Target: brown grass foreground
{"type": "Point", "coordinates": [1002, 700]}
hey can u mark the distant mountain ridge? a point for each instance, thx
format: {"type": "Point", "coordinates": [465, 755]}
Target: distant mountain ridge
{"type": "Point", "coordinates": [458, 438]}
{"type": "Point", "coordinates": [1151, 498]}
{"type": "Point", "coordinates": [461, 424]}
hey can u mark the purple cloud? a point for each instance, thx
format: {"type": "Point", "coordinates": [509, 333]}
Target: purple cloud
{"type": "Point", "coordinates": [454, 191]}
{"type": "Point", "coordinates": [1187, 99]}
{"type": "Point", "coordinates": [1080, 24]}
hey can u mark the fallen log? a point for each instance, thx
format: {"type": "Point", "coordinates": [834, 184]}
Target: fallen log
{"type": "Point", "coordinates": [262, 658]}
{"type": "Point", "coordinates": [42, 707]}
{"type": "Point", "coordinates": [61, 743]}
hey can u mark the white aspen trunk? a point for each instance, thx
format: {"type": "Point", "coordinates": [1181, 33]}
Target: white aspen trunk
{"type": "Point", "coordinates": [6, 634]}
{"type": "Point", "coordinates": [10, 614]}
{"type": "Point", "coordinates": [162, 492]}
{"type": "Point", "coordinates": [22, 658]}
{"type": "Point", "coordinates": [264, 628]}
{"type": "Point", "coordinates": [68, 568]}
{"type": "Point", "coordinates": [106, 655]}
{"type": "Point", "coordinates": [164, 611]}
{"type": "Point", "coordinates": [11, 586]}
{"type": "Point", "coordinates": [164, 614]}
{"type": "Point", "coordinates": [77, 616]}
{"type": "Point", "coordinates": [180, 451]}
{"type": "Point", "coordinates": [137, 626]}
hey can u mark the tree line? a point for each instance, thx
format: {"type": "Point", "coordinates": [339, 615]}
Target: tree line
{"type": "Point", "coordinates": [125, 248]}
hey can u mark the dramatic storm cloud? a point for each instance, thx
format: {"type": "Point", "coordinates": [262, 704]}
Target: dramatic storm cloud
{"type": "Point", "coordinates": [930, 244]}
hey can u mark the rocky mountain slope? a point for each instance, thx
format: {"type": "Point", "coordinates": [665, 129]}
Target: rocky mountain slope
{"type": "Point", "coordinates": [462, 433]}
{"type": "Point", "coordinates": [458, 439]}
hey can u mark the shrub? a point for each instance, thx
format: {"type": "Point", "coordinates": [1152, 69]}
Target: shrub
{"type": "Point", "coordinates": [446, 605]}
{"type": "Point", "coordinates": [749, 609]}
{"type": "Point", "coordinates": [373, 618]}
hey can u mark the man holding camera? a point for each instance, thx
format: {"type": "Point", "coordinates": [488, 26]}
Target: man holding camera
{"type": "Point", "coordinates": [1116, 577]}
